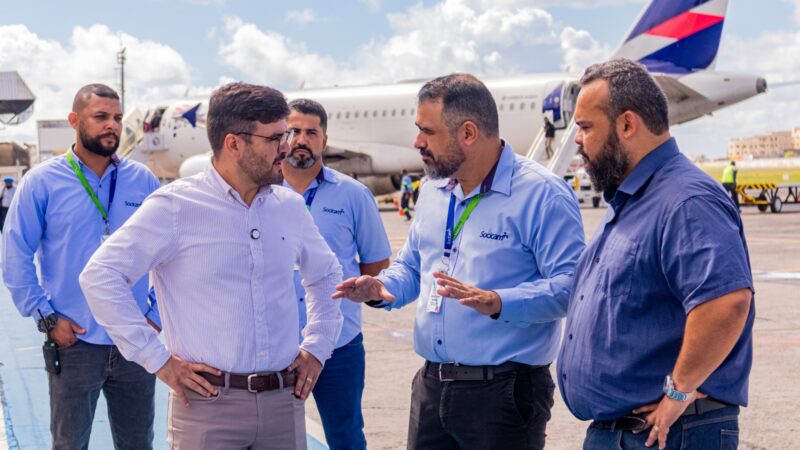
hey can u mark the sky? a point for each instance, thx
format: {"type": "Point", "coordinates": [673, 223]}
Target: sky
{"type": "Point", "coordinates": [180, 48]}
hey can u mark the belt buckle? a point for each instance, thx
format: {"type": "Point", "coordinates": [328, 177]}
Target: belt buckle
{"type": "Point", "coordinates": [441, 378]}
{"type": "Point", "coordinates": [250, 382]}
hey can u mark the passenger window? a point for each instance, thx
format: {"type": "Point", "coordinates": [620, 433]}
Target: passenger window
{"type": "Point", "coordinates": [394, 112]}
{"type": "Point", "coordinates": [521, 106]}
{"type": "Point", "coordinates": [347, 115]}
{"type": "Point", "coordinates": [510, 106]}
{"type": "Point", "coordinates": [356, 116]}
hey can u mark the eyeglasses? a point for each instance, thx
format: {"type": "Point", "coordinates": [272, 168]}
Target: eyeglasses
{"type": "Point", "coordinates": [280, 138]}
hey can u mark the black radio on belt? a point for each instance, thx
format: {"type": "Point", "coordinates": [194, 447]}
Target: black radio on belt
{"type": "Point", "coordinates": [52, 364]}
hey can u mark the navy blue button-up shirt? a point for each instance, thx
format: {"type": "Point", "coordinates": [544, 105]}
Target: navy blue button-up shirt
{"type": "Point", "coordinates": [671, 240]}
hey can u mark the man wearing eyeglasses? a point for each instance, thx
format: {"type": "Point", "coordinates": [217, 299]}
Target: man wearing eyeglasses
{"type": "Point", "coordinates": [222, 247]}
{"type": "Point", "coordinates": [347, 216]}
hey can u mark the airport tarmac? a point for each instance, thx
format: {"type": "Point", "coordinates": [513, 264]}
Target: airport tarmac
{"type": "Point", "coordinates": [769, 423]}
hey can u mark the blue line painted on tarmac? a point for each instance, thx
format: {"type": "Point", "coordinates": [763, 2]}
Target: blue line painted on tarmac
{"type": "Point", "coordinates": [314, 444]}
{"type": "Point", "coordinates": [10, 440]}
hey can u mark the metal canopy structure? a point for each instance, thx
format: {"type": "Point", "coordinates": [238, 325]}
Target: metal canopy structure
{"type": "Point", "coordinates": [16, 99]}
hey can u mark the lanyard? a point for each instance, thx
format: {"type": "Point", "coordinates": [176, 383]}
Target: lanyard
{"type": "Point", "coordinates": [311, 193]}
{"type": "Point", "coordinates": [451, 232]}
{"type": "Point", "coordinates": [79, 173]}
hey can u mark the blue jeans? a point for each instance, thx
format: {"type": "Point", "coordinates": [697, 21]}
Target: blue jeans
{"type": "Point", "coordinates": [338, 396]}
{"type": "Point", "coordinates": [713, 430]}
{"type": "Point", "coordinates": [86, 369]}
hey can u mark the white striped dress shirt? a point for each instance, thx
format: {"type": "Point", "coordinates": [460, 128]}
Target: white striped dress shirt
{"type": "Point", "coordinates": [223, 278]}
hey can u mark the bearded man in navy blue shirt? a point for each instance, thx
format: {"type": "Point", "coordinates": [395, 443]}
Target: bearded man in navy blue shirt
{"type": "Point", "coordinates": [658, 341]}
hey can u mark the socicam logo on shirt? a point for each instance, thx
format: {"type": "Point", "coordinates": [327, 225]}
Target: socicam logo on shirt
{"type": "Point", "coordinates": [133, 204]}
{"type": "Point", "coordinates": [494, 236]}
{"type": "Point", "coordinates": [333, 211]}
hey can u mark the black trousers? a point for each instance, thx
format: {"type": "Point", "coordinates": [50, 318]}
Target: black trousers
{"type": "Point", "coordinates": [508, 412]}
{"type": "Point", "coordinates": [731, 188]}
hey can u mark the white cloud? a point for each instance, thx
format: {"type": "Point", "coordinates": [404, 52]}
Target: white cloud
{"type": "Point", "coordinates": [303, 16]}
{"type": "Point", "coordinates": [373, 5]}
{"type": "Point", "coordinates": [271, 58]}
{"type": "Point", "coordinates": [581, 50]}
{"type": "Point", "coordinates": [54, 72]}
{"type": "Point", "coordinates": [454, 35]}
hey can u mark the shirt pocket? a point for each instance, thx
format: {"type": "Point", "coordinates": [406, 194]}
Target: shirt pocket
{"type": "Point", "coordinates": [619, 266]}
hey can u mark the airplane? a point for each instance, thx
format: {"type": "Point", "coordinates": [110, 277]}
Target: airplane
{"type": "Point", "coordinates": [371, 128]}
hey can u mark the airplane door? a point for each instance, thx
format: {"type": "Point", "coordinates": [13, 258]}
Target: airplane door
{"type": "Point", "coordinates": [559, 102]}
{"type": "Point", "coordinates": [569, 97]}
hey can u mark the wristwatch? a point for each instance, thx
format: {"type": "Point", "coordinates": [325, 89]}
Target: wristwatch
{"type": "Point", "coordinates": [669, 390]}
{"type": "Point", "coordinates": [47, 323]}
{"type": "Point", "coordinates": [375, 303]}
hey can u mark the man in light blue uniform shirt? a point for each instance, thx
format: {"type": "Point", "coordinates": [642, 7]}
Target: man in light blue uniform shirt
{"type": "Point", "coordinates": [490, 256]}
{"type": "Point", "coordinates": [347, 217]}
{"type": "Point", "coordinates": [55, 216]}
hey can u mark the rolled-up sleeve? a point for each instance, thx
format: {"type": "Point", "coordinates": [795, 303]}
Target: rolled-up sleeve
{"type": "Point", "coordinates": [556, 242]}
{"type": "Point", "coordinates": [146, 240]}
{"type": "Point", "coordinates": [321, 273]}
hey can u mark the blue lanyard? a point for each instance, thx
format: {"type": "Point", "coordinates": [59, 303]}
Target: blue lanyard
{"type": "Point", "coordinates": [311, 193]}
{"type": "Point", "coordinates": [452, 230]}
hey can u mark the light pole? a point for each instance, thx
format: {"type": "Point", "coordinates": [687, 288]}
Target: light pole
{"type": "Point", "coordinates": [121, 62]}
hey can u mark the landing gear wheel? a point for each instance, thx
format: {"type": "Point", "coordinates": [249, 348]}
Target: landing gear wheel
{"type": "Point", "coordinates": [595, 202]}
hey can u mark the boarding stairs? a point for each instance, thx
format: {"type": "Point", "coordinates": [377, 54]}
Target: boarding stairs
{"type": "Point", "coordinates": [564, 149]}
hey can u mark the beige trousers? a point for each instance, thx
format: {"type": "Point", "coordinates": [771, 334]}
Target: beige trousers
{"type": "Point", "coordinates": [237, 419]}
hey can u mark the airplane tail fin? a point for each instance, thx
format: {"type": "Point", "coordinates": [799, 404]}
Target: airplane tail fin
{"type": "Point", "coordinates": [676, 36]}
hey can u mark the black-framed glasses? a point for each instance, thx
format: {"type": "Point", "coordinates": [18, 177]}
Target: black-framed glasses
{"type": "Point", "coordinates": [279, 138]}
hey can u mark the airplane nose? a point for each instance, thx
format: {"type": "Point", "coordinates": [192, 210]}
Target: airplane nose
{"type": "Point", "coordinates": [761, 85]}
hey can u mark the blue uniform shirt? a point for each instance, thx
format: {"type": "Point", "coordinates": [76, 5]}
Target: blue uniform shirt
{"type": "Point", "coordinates": [671, 240]}
{"type": "Point", "coordinates": [347, 216]}
{"type": "Point", "coordinates": [53, 217]}
{"type": "Point", "coordinates": [521, 241]}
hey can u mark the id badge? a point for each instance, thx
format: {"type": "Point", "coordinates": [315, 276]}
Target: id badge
{"type": "Point", "coordinates": [106, 234]}
{"type": "Point", "coordinates": [434, 300]}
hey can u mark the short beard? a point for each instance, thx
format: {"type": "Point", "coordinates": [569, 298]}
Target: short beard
{"type": "Point", "coordinates": [609, 166]}
{"type": "Point", "coordinates": [301, 163]}
{"type": "Point", "coordinates": [95, 145]}
{"type": "Point", "coordinates": [259, 170]}
{"type": "Point", "coordinates": [447, 164]}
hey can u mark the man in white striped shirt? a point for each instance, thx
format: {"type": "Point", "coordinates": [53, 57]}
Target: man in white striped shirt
{"type": "Point", "coordinates": [222, 247]}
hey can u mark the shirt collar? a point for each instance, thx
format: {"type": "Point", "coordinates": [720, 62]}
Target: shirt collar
{"type": "Point", "coordinates": [222, 186]}
{"type": "Point", "coordinates": [114, 161]}
{"type": "Point", "coordinates": [648, 166]}
{"type": "Point", "coordinates": [503, 171]}
{"type": "Point", "coordinates": [324, 175]}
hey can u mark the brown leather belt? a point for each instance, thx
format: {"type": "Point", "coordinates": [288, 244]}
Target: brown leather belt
{"type": "Point", "coordinates": [254, 382]}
